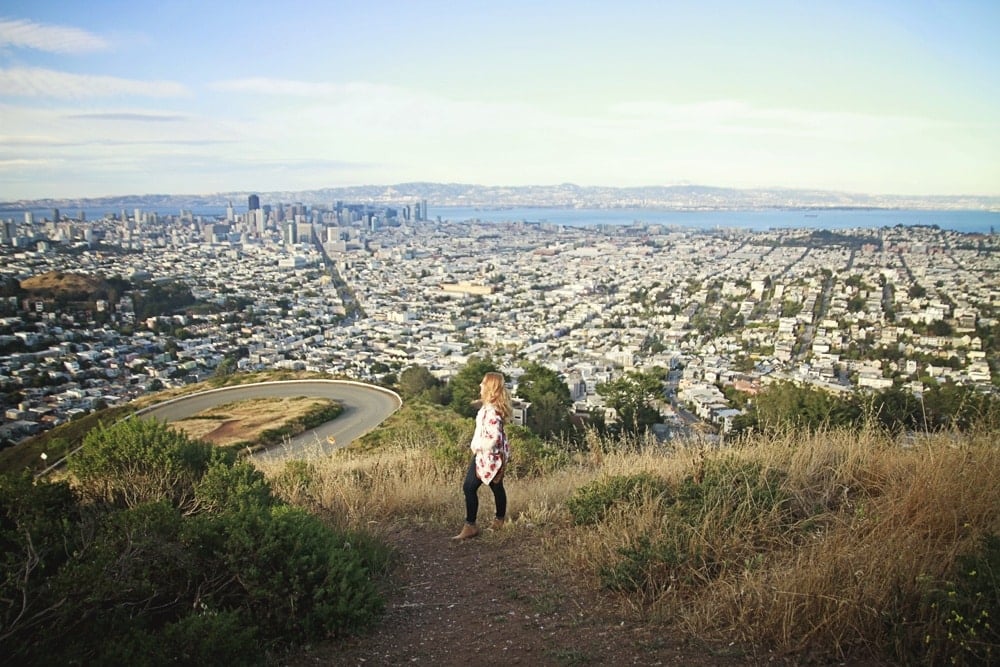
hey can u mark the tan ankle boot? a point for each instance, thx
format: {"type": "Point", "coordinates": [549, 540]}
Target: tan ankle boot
{"type": "Point", "coordinates": [498, 524]}
{"type": "Point", "coordinates": [468, 530]}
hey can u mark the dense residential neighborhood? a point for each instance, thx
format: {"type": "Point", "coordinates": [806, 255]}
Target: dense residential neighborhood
{"type": "Point", "coordinates": [365, 292]}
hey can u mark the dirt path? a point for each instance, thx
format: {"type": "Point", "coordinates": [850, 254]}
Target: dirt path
{"type": "Point", "coordinates": [487, 601]}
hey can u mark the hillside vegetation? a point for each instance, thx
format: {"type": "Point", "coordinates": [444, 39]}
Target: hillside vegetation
{"type": "Point", "coordinates": [58, 442]}
{"type": "Point", "coordinates": [808, 543]}
{"type": "Point", "coordinates": [160, 549]}
{"type": "Point", "coordinates": [823, 545]}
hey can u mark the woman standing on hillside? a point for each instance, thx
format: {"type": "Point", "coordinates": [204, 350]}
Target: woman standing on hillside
{"type": "Point", "coordinates": [491, 452]}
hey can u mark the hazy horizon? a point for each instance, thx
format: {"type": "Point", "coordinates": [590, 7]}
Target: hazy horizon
{"type": "Point", "coordinates": [116, 99]}
{"type": "Point", "coordinates": [477, 195]}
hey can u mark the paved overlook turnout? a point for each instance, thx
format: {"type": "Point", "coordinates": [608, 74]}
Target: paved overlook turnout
{"type": "Point", "coordinates": [365, 407]}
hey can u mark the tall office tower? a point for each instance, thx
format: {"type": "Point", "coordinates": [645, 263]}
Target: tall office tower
{"type": "Point", "coordinates": [83, 216]}
{"type": "Point", "coordinates": [423, 212]}
{"type": "Point", "coordinates": [55, 215]}
{"type": "Point", "coordinates": [253, 203]}
{"type": "Point", "coordinates": [291, 232]}
{"type": "Point", "coordinates": [304, 233]}
{"type": "Point", "coordinates": [416, 211]}
{"type": "Point", "coordinates": [230, 214]}
{"type": "Point", "coordinates": [29, 218]}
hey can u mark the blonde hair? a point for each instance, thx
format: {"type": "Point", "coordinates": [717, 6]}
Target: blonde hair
{"type": "Point", "coordinates": [494, 391]}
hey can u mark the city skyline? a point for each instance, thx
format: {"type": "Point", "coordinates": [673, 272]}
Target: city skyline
{"type": "Point", "coordinates": [114, 99]}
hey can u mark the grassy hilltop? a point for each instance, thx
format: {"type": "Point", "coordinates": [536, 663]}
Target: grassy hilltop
{"type": "Point", "coordinates": [820, 545]}
{"type": "Point", "coordinates": [803, 545]}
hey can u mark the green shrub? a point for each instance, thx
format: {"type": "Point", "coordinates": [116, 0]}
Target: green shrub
{"type": "Point", "coordinates": [591, 502]}
{"type": "Point", "coordinates": [296, 577]}
{"type": "Point", "coordinates": [58, 442]}
{"type": "Point", "coordinates": [222, 573]}
{"type": "Point", "coordinates": [650, 566]}
{"type": "Point", "coordinates": [132, 575]}
{"type": "Point", "coordinates": [965, 613]}
{"type": "Point", "coordinates": [207, 638]}
{"type": "Point", "coordinates": [374, 553]}
{"type": "Point", "coordinates": [295, 481]}
{"type": "Point", "coordinates": [233, 487]}
{"type": "Point", "coordinates": [731, 489]}
{"type": "Point", "coordinates": [710, 520]}
{"type": "Point", "coordinates": [139, 460]}
{"type": "Point", "coordinates": [530, 455]}
{"type": "Point", "coordinates": [451, 455]}
{"type": "Point", "coordinates": [38, 536]}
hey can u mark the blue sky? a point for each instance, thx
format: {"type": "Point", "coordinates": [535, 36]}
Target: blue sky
{"type": "Point", "coordinates": [113, 98]}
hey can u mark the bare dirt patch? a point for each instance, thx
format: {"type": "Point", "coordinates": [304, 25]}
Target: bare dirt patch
{"type": "Point", "coordinates": [244, 421]}
{"type": "Point", "coordinates": [492, 601]}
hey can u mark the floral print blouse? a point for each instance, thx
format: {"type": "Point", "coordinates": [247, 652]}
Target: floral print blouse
{"type": "Point", "coordinates": [489, 443]}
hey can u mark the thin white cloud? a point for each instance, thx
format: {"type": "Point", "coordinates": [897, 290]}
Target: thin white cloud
{"type": "Point", "coordinates": [738, 117]}
{"type": "Point", "coordinates": [129, 116]}
{"type": "Point", "coordinates": [297, 88]}
{"type": "Point", "coordinates": [20, 33]}
{"type": "Point", "coordinates": [313, 109]}
{"type": "Point", "coordinates": [41, 82]}
{"type": "Point", "coordinates": [100, 133]}
{"type": "Point", "coordinates": [28, 140]}
{"type": "Point", "coordinates": [6, 163]}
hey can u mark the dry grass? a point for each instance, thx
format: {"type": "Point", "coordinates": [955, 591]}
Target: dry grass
{"type": "Point", "coordinates": [822, 544]}
{"type": "Point", "coordinates": [244, 421]}
{"type": "Point", "coordinates": [57, 281]}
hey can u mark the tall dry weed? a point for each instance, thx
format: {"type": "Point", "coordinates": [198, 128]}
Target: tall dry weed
{"type": "Point", "coordinates": [880, 522]}
{"type": "Point", "coordinates": [825, 543]}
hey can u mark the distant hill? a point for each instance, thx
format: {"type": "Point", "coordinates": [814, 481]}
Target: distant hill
{"type": "Point", "coordinates": [563, 195]}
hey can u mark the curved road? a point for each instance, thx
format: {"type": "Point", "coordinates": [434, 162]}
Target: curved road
{"type": "Point", "coordinates": [365, 407]}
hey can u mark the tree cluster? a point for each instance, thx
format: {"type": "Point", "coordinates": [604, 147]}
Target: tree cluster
{"type": "Point", "coordinates": [632, 397]}
{"type": "Point", "coordinates": [167, 550]}
{"type": "Point", "coordinates": [788, 406]}
{"type": "Point", "coordinates": [158, 300]}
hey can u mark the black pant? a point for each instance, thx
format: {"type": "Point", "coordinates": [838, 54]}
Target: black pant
{"type": "Point", "coordinates": [470, 488]}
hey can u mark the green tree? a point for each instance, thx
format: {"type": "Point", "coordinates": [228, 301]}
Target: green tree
{"type": "Point", "coordinates": [785, 405]}
{"type": "Point", "coordinates": [464, 385]}
{"type": "Point", "coordinates": [790, 308]}
{"type": "Point", "coordinates": [225, 368]}
{"type": "Point", "coordinates": [897, 410]}
{"type": "Point", "coordinates": [940, 328]}
{"type": "Point", "coordinates": [550, 401]}
{"type": "Point", "coordinates": [632, 396]}
{"type": "Point", "coordinates": [416, 381]}
{"type": "Point", "coordinates": [951, 405]}
{"type": "Point", "coordinates": [163, 299]}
